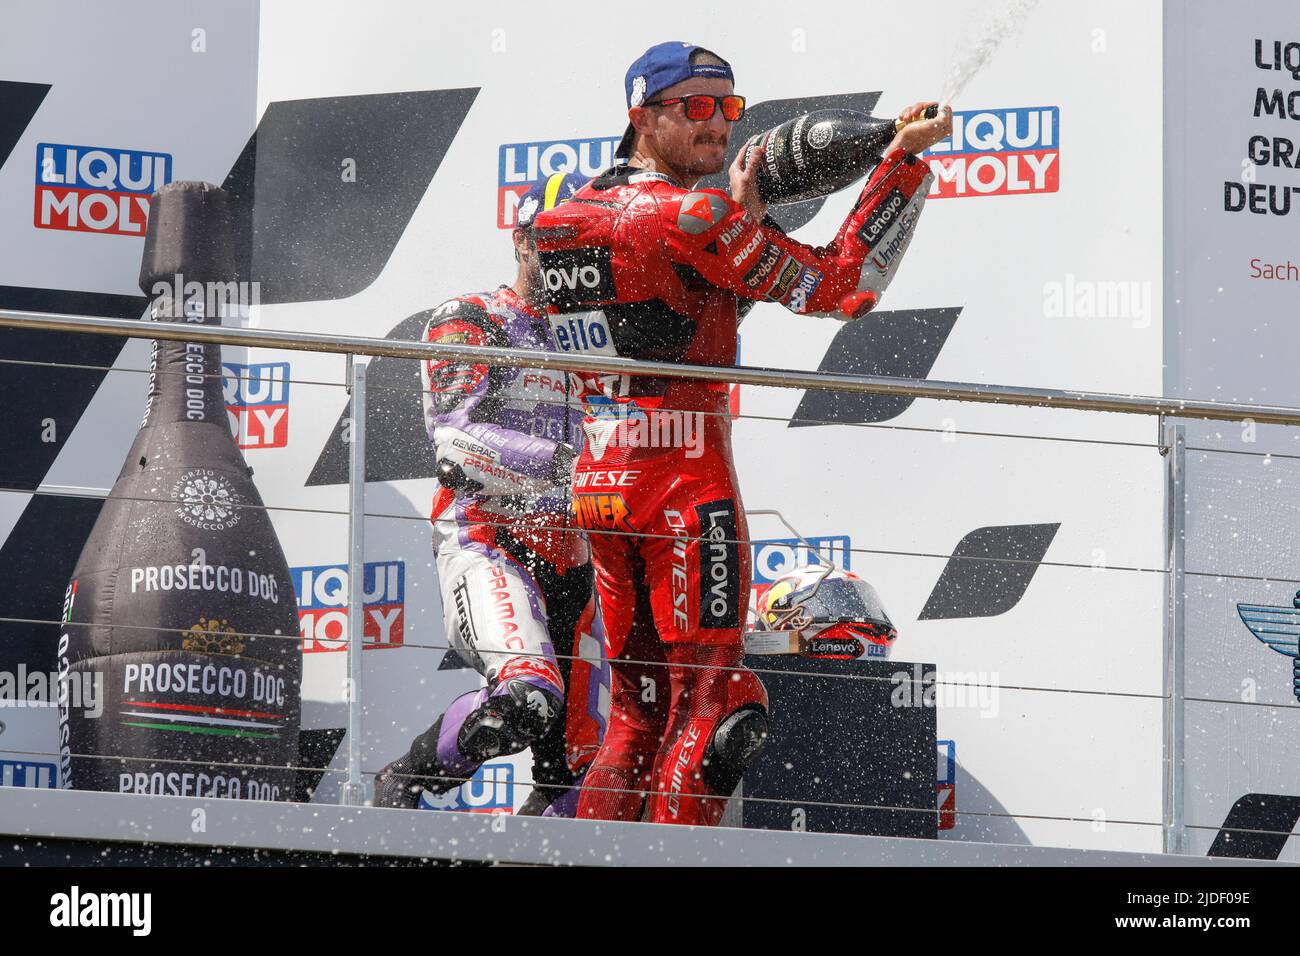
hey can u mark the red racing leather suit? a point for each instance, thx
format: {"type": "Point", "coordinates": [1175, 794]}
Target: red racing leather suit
{"type": "Point", "coordinates": [637, 266]}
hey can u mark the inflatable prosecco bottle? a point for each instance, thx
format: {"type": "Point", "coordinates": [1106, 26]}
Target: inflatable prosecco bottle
{"type": "Point", "coordinates": [181, 613]}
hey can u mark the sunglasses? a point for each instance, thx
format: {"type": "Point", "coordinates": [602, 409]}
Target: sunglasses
{"type": "Point", "coordinates": [700, 106]}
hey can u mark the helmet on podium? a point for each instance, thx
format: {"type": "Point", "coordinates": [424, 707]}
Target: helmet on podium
{"type": "Point", "coordinates": [837, 613]}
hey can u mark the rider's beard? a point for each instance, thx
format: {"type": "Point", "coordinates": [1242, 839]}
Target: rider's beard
{"type": "Point", "coordinates": [691, 159]}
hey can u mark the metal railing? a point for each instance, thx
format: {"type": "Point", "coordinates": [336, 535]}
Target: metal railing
{"type": "Point", "coordinates": [353, 790]}
{"type": "Point", "coordinates": [739, 374]}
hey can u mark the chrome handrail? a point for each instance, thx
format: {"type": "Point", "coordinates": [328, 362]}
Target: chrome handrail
{"type": "Point", "coordinates": [742, 375]}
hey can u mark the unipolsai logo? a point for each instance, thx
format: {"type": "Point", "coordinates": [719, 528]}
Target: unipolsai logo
{"type": "Point", "coordinates": [998, 152]}
{"type": "Point", "coordinates": [95, 189]}
{"type": "Point", "coordinates": [522, 164]}
{"type": "Point", "coordinates": [490, 790]}
{"type": "Point", "coordinates": [323, 605]}
{"type": "Point", "coordinates": [257, 401]}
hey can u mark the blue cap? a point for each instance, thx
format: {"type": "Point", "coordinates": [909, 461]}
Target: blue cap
{"type": "Point", "coordinates": [658, 68]}
{"type": "Point", "coordinates": [546, 194]}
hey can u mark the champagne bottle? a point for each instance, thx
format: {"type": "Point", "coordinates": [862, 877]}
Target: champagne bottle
{"type": "Point", "coordinates": [181, 611]}
{"type": "Point", "coordinates": [819, 152]}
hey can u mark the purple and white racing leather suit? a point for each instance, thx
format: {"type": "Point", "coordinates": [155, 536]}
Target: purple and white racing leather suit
{"type": "Point", "coordinates": [513, 568]}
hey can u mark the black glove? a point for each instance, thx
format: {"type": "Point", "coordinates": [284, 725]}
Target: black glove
{"type": "Point", "coordinates": [453, 477]}
{"type": "Point", "coordinates": [562, 463]}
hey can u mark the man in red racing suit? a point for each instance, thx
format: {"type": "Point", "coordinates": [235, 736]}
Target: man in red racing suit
{"type": "Point", "coordinates": [640, 264]}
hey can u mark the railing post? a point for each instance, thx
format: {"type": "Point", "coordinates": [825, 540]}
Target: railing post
{"type": "Point", "coordinates": [1174, 440]}
{"type": "Point", "coordinates": [354, 790]}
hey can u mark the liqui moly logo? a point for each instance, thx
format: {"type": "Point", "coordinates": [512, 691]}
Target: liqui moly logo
{"type": "Point", "coordinates": [774, 557]}
{"type": "Point", "coordinates": [998, 152]}
{"type": "Point", "coordinates": [257, 401]}
{"type": "Point", "coordinates": [490, 790]}
{"type": "Point", "coordinates": [945, 785]}
{"type": "Point", "coordinates": [28, 773]}
{"type": "Point", "coordinates": [323, 605]}
{"type": "Point", "coordinates": [522, 164]}
{"type": "Point", "coordinates": [97, 189]}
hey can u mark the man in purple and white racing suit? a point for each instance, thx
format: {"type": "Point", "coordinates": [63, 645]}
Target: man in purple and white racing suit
{"type": "Point", "coordinates": [513, 568]}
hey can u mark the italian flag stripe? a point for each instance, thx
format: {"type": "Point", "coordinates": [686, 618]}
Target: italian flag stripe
{"type": "Point", "coordinates": [217, 731]}
{"type": "Point", "coordinates": [195, 719]}
{"type": "Point", "coordinates": [200, 709]}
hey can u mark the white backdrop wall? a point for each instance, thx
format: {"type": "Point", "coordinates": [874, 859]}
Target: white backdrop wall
{"type": "Point", "coordinates": [1046, 753]}
{"type": "Point", "coordinates": [1051, 282]}
{"type": "Point", "coordinates": [1233, 294]}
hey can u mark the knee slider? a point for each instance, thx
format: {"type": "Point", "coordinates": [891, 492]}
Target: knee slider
{"type": "Point", "coordinates": [735, 744]}
{"type": "Point", "coordinates": [516, 714]}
